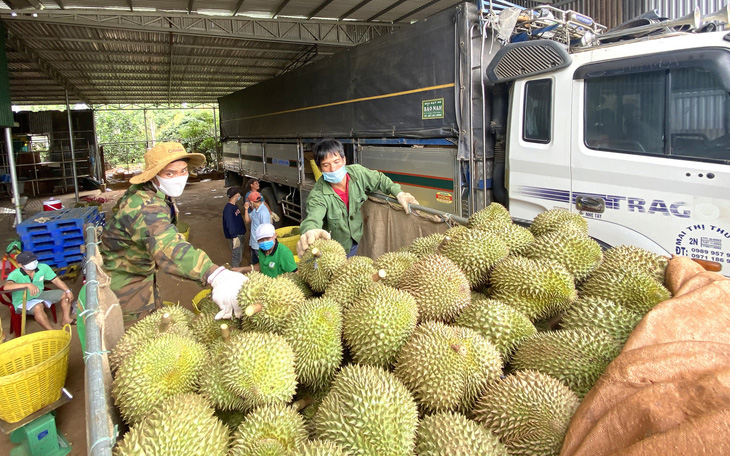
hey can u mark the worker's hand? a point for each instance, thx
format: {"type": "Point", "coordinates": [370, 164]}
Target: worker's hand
{"type": "Point", "coordinates": [246, 205]}
{"type": "Point", "coordinates": [226, 285]}
{"type": "Point", "coordinates": [32, 289]}
{"type": "Point", "coordinates": [405, 199]}
{"type": "Point", "coordinates": [274, 218]}
{"type": "Point", "coordinates": [236, 242]}
{"type": "Point", "coordinates": [69, 296]}
{"type": "Point", "coordinates": [308, 238]}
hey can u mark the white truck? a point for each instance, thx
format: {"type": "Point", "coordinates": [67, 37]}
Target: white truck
{"type": "Point", "coordinates": [534, 109]}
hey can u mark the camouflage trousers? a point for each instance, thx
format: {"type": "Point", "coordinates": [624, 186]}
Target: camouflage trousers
{"type": "Point", "coordinates": [138, 295]}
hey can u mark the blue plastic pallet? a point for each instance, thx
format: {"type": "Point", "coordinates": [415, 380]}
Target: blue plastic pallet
{"type": "Point", "coordinates": [60, 220]}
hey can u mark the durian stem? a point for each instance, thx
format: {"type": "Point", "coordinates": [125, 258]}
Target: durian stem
{"type": "Point", "coordinates": [443, 242]}
{"type": "Point", "coordinates": [379, 275]}
{"type": "Point", "coordinates": [253, 309]}
{"type": "Point", "coordinates": [302, 403]}
{"type": "Point", "coordinates": [165, 322]}
{"type": "Point", "coordinates": [458, 348]}
{"type": "Point", "coordinates": [226, 333]}
{"type": "Point", "coordinates": [316, 252]}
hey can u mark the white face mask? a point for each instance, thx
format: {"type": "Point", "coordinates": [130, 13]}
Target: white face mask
{"type": "Point", "coordinates": [31, 266]}
{"type": "Point", "coordinates": [172, 187]}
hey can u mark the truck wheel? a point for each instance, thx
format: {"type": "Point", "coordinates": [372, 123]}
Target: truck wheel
{"type": "Point", "coordinates": [268, 194]}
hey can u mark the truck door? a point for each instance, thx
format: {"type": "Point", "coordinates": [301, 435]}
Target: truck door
{"type": "Point", "coordinates": [651, 155]}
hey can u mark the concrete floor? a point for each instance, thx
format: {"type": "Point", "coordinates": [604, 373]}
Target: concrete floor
{"type": "Point", "coordinates": [201, 206]}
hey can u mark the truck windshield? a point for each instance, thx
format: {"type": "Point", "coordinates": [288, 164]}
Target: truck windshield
{"type": "Point", "coordinates": [683, 112]}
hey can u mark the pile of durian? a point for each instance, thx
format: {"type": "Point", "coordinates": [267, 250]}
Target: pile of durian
{"type": "Point", "coordinates": [479, 341]}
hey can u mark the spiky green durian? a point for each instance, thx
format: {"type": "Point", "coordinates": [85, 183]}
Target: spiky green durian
{"type": "Point", "coordinates": [528, 411]}
{"type": "Point", "coordinates": [597, 313]}
{"type": "Point", "coordinates": [320, 448]}
{"type": "Point", "coordinates": [578, 253]}
{"type": "Point", "coordinates": [449, 433]}
{"type": "Point", "coordinates": [307, 402]}
{"type": "Point", "coordinates": [314, 332]}
{"type": "Point", "coordinates": [294, 277]}
{"type": "Point", "coordinates": [368, 411]}
{"type": "Point", "coordinates": [456, 229]}
{"type": "Point", "coordinates": [150, 327]}
{"type": "Point", "coordinates": [629, 287]}
{"type": "Point", "coordinates": [206, 329]}
{"type": "Point", "coordinates": [212, 385]}
{"type": "Point", "coordinates": [231, 418]}
{"type": "Point", "coordinates": [447, 367]}
{"type": "Point", "coordinates": [475, 252]}
{"type": "Point", "coordinates": [577, 357]}
{"type": "Point", "coordinates": [426, 245]}
{"type": "Point", "coordinates": [502, 325]}
{"type": "Point", "coordinates": [208, 306]}
{"type": "Point", "coordinates": [276, 422]}
{"type": "Point", "coordinates": [353, 277]}
{"type": "Point", "coordinates": [320, 263]}
{"type": "Point", "coordinates": [516, 237]}
{"type": "Point", "coordinates": [558, 220]}
{"type": "Point", "coordinates": [394, 264]}
{"type": "Point", "coordinates": [628, 255]}
{"type": "Point", "coordinates": [378, 324]}
{"type": "Point", "coordinates": [259, 367]}
{"type": "Point", "coordinates": [538, 288]}
{"type": "Point", "coordinates": [494, 214]}
{"type": "Point", "coordinates": [266, 447]}
{"type": "Point", "coordinates": [162, 367]}
{"type": "Point", "coordinates": [182, 424]}
{"type": "Point", "coordinates": [440, 288]}
{"type": "Point", "coordinates": [267, 302]}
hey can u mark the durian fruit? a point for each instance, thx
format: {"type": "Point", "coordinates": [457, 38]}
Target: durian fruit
{"type": "Point", "coordinates": [368, 411]}
{"type": "Point", "coordinates": [307, 402]}
{"type": "Point", "coordinates": [621, 256]}
{"type": "Point", "coordinates": [231, 418]}
{"type": "Point", "coordinates": [182, 424]}
{"type": "Point", "coordinates": [378, 324]}
{"type": "Point", "coordinates": [426, 245]}
{"type": "Point", "coordinates": [267, 302]}
{"type": "Point", "coordinates": [475, 252]}
{"type": "Point", "coordinates": [447, 367]}
{"type": "Point", "coordinates": [456, 229]}
{"type": "Point", "coordinates": [320, 262]}
{"type": "Point", "coordinates": [394, 264]}
{"type": "Point", "coordinates": [500, 324]}
{"type": "Point", "coordinates": [207, 330]}
{"type": "Point", "coordinates": [449, 433]}
{"type": "Point", "coordinates": [294, 277]}
{"type": "Point", "coordinates": [153, 325]}
{"type": "Point", "coordinates": [276, 422]}
{"type": "Point", "coordinates": [494, 214]}
{"type": "Point", "coordinates": [528, 411]}
{"type": "Point", "coordinates": [162, 367]}
{"type": "Point", "coordinates": [516, 237]}
{"type": "Point", "coordinates": [578, 253]}
{"type": "Point", "coordinates": [597, 313]}
{"type": "Point", "coordinates": [629, 287]}
{"type": "Point", "coordinates": [353, 277]}
{"type": "Point", "coordinates": [558, 220]}
{"type": "Point", "coordinates": [207, 306]}
{"type": "Point", "coordinates": [441, 289]}
{"type": "Point", "coordinates": [211, 379]}
{"type": "Point", "coordinates": [577, 357]}
{"type": "Point", "coordinates": [266, 447]}
{"type": "Point", "coordinates": [538, 288]}
{"type": "Point", "coordinates": [314, 332]}
{"type": "Point", "coordinates": [259, 367]}
{"type": "Point", "coordinates": [320, 448]}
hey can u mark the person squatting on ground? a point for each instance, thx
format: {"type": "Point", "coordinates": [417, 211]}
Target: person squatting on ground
{"type": "Point", "coordinates": [256, 217]}
{"type": "Point", "coordinates": [29, 280]}
{"type": "Point", "coordinates": [274, 259]}
{"type": "Point", "coordinates": [233, 227]}
{"type": "Point", "coordinates": [142, 238]}
{"type": "Point", "coordinates": [334, 204]}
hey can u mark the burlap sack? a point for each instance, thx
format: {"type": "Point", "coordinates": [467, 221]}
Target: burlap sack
{"type": "Point", "coordinates": [668, 392]}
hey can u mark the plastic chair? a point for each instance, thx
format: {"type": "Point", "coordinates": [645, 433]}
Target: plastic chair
{"type": "Point", "coordinates": [5, 298]}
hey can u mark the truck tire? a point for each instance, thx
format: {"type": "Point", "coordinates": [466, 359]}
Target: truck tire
{"type": "Point", "coordinates": [268, 194]}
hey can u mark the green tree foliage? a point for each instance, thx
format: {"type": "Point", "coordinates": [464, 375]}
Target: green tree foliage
{"type": "Point", "coordinates": [119, 132]}
{"type": "Point", "coordinates": [194, 129]}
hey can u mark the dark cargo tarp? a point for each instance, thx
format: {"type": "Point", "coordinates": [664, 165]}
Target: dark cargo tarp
{"type": "Point", "coordinates": [373, 90]}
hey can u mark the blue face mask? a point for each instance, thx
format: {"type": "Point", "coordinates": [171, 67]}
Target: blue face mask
{"type": "Point", "coordinates": [335, 177]}
{"type": "Point", "coordinates": [266, 245]}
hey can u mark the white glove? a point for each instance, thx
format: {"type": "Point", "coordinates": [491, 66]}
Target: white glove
{"type": "Point", "coordinates": [226, 285]}
{"type": "Point", "coordinates": [236, 242]}
{"type": "Point", "coordinates": [405, 199]}
{"type": "Point", "coordinates": [274, 218]}
{"type": "Point", "coordinates": [308, 238]}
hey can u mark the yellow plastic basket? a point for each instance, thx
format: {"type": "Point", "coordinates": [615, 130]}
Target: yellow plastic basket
{"type": "Point", "coordinates": [184, 229]}
{"type": "Point", "coordinates": [198, 297]}
{"type": "Point", "coordinates": [288, 236]}
{"type": "Point", "coordinates": [32, 372]}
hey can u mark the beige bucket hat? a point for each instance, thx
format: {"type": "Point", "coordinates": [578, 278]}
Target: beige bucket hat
{"type": "Point", "coordinates": [162, 155]}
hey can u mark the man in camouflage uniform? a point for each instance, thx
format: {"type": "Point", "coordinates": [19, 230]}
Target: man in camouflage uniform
{"type": "Point", "coordinates": [142, 238]}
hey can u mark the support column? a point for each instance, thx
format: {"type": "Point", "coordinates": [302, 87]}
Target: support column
{"type": "Point", "coordinates": [71, 146]}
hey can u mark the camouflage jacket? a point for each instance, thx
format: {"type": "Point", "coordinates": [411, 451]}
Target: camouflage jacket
{"type": "Point", "coordinates": [142, 238]}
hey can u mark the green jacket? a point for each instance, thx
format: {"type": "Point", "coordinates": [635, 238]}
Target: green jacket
{"type": "Point", "coordinates": [142, 238]}
{"type": "Point", "coordinates": [326, 210]}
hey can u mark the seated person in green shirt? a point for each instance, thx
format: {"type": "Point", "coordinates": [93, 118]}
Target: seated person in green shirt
{"type": "Point", "coordinates": [29, 279]}
{"type": "Point", "coordinates": [274, 258]}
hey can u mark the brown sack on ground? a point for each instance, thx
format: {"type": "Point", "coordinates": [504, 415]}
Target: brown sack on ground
{"type": "Point", "coordinates": [668, 392]}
